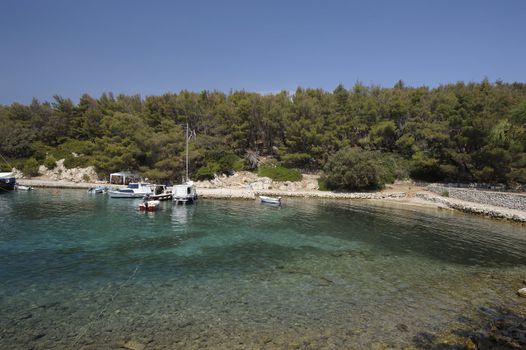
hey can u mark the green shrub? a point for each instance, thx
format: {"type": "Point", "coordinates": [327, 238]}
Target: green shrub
{"type": "Point", "coordinates": [77, 162]}
{"type": "Point", "coordinates": [229, 163]}
{"type": "Point", "coordinates": [322, 185]}
{"type": "Point", "coordinates": [50, 162]}
{"type": "Point", "coordinates": [80, 147]}
{"type": "Point", "coordinates": [445, 194]}
{"type": "Point", "coordinates": [425, 168]}
{"type": "Point", "coordinates": [392, 166]}
{"type": "Point", "coordinates": [279, 173]}
{"type": "Point", "coordinates": [156, 175]}
{"type": "Point", "coordinates": [297, 159]}
{"type": "Point", "coordinates": [357, 169]}
{"type": "Point", "coordinates": [39, 150]}
{"type": "Point", "coordinates": [30, 167]}
{"type": "Point", "coordinates": [6, 167]}
{"type": "Point", "coordinates": [205, 173]}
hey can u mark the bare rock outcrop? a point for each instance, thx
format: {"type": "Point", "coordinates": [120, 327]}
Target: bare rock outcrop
{"type": "Point", "coordinates": [250, 181]}
{"type": "Point", "coordinates": [61, 173]}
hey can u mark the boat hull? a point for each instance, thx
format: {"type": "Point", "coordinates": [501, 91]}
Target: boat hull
{"type": "Point", "coordinates": [117, 194]}
{"type": "Point", "coordinates": [184, 200]}
{"type": "Point", "coordinates": [149, 206]}
{"type": "Point", "coordinates": [97, 190]}
{"type": "Point", "coordinates": [7, 184]}
{"type": "Point", "coordinates": [270, 200]}
{"type": "Point", "coordinates": [161, 197]}
{"type": "Point", "coordinates": [149, 209]}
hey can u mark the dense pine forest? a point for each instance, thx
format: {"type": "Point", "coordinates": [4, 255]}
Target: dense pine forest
{"type": "Point", "coordinates": [460, 132]}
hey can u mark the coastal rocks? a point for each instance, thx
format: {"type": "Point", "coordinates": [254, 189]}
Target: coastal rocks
{"type": "Point", "coordinates": [474, 208]}
{"type": "Point", "coordinates": [252, 182]}
{"type": "Point", "coordinates": [263, 183]}
{"type": "Point", "coordinates": [17, 173]}
{"type": "Point", "coordinates": [308, 183]}
{"type": "Point", "coordinates": [61, 173]}
{"type": "Point", "coordinates": [522, 292]}
{"type": "Point", "coordinates": [336, 195]}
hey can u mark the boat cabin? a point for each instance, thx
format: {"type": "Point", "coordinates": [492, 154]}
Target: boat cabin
{"type": "Point", "coordinates": [124, 178]}
{"type": "Point", "coordinates": [185, 193]}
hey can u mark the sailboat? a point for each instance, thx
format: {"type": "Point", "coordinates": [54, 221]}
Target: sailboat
{"type": "Point", "coordinates": [185, 193]}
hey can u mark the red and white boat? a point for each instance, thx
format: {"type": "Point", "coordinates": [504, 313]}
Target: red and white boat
{"type": "Point", "coordinates": [149, 206]}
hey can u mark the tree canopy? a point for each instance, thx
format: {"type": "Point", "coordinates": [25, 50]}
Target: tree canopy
{"type": "Point", "coordinates": [458, 132]}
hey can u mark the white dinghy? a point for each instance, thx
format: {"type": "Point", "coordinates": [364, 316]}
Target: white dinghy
{"type": "Point", "coordinates": [270, 200]}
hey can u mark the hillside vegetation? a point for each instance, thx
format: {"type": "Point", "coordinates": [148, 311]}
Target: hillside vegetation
{"type": "Point", "coordinates": [460, 132]}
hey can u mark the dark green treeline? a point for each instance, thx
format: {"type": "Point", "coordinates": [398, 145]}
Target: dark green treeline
{"type": "Point", "coordinates": [457, 132]}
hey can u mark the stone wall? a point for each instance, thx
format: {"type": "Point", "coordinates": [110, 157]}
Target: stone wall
{"type": "Point", "coordinates": [501, 199]}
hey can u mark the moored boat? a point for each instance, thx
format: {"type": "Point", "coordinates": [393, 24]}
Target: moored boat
{"type": "Point", "coordinates": [270, 200]}
{"type": "Point", "coordinates": [161, 193]}
{"type": "Point", "coordinates": [149, 205]}
{"type": "Point", "coordinates": [23, 188]}
{"type": "Point", "coordinates": [7, 182]}
{"type": "Point", "coordinates": [164, 196]}
{"type": "Point", "coordinates": [100, 189]}
{"type": "Point", "coordinates": [134, 190]}
{"type": "Point", "coordinates": [184, 193]}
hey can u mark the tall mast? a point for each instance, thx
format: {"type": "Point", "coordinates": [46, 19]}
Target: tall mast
{"type": "Point", "coordinates": [186, 180]}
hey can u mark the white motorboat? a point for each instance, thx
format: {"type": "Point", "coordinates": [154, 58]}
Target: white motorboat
{"type": "Point", "coordinates": [23, 188]}
{"type": "Point", "coordinates": [134, 190]}
{"type": "Point", "coordinates": [270, 200]}
{"type": "Point", "coordinates": [184, 193]}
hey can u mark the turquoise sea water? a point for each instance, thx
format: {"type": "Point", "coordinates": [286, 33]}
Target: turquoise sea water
{"type": "Point", "coordinates": [82, 271]}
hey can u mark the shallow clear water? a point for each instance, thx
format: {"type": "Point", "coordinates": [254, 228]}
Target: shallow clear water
{"type": "Point", "coordinates": [86, 271]}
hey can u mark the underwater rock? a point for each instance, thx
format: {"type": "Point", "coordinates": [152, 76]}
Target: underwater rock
{"type": "Point", "coordinates": [265, 339]}
{"type": "Point", "coordinates": [39, 335]}
{"type": "Point", "coordinates": [134, 345]}
{"type": "Point", "coordinates": [402, 327]}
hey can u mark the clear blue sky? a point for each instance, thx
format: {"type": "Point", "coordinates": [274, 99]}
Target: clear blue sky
{"type": "Point", "coordinates": [150, 47]}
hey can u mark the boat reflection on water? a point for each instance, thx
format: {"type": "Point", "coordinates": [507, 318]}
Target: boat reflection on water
{"type": "Point", "coordinates": [181, 216]}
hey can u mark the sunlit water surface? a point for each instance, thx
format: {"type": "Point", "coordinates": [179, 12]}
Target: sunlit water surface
{"type": "Point", "coordinates": [89, 272]}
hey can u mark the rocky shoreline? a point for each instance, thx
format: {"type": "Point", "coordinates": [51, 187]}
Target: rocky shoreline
{"type": "Point", "coordinates": [475, 208]}
{"type": "Point", "coordinates": [251, 192]}
{"type": "Point", "coordinates": [247, 185]}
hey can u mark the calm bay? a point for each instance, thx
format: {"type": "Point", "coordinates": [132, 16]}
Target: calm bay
{"type": "Point", "coordinates": [89, 272]}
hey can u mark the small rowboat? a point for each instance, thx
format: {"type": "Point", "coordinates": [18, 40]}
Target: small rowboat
{"type": "Point", "coordinates": [149, 206]}
{"type": "Point", "coordinates": [270, 200]}
{"type": "Point", "coordinates": [100, 189]}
